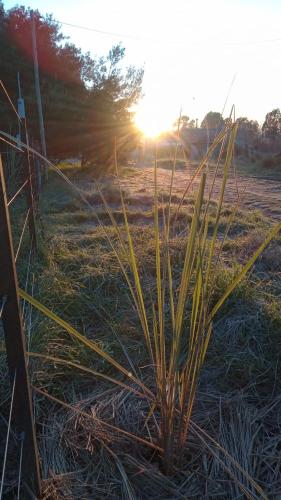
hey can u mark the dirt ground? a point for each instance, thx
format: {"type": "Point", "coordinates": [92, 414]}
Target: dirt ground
{"type": "Point", "coordinates": [254, 193]}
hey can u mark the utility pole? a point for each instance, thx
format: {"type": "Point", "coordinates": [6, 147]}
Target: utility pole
{"type": "Point", "coordinates": [38, 94]}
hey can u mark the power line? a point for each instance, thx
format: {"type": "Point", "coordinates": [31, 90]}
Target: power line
{"type": "Point", "coordinates": [158, 40]}
{"type": "Point", "coordinates": [108, 33]}
{"type": "Point", "coordinates": [253, 42]}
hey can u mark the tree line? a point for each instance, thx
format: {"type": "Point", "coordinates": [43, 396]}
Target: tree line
{"type": "Point", "coordinates": [270, 129]}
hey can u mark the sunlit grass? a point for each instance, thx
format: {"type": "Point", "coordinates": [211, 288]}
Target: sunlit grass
{"type": "Point", "coordinates": [177, 309]}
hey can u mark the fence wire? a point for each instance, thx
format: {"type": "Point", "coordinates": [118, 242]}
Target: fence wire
{"type": "Point", "coordinates": [2, 305]}
{"type": "Point", "coordinates": [22, 235]}
{"type": "Point", "coordinates": [7, 436]}
{"type": "Point", "coordinates": [17, 193]}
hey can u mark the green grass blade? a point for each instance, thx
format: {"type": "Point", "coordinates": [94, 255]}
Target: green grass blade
{"type": "Point", "coordinates": [189, 257]}
{"type": "Point", "coordinates": [202, 163]}
{"type": "Point", "coordinates": [75, 334]}
{"type": "Point", "coordinates": [159, 275]}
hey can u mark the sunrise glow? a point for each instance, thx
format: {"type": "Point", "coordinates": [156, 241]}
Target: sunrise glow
{"type": "Point", "coordinates": [152, 123]}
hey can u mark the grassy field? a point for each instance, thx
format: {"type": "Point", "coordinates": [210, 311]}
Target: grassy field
{"type": "Point", "coordinates": [238, 398]}
{"type": "Point", "coordinates": [258, 169]}
{"type": "Point", "coordinates": [259, 188]}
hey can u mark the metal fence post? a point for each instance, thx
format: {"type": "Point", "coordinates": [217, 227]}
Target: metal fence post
{"type": "Point", "coordinates": [15, 346]}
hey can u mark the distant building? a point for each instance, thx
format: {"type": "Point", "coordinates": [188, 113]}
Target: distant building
{"type": "Point", "coordinates": [200, 139]}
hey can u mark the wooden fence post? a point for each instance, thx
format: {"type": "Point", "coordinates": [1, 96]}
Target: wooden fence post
{"type": "Point", "coordinates": [15, 347]}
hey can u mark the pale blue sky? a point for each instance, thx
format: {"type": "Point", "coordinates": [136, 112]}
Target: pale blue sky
{"type": "Point", "coordinates": [191, 50]}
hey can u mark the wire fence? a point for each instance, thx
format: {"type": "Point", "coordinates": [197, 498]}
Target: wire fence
{"type": "Point", "coordinates": [19, 424]}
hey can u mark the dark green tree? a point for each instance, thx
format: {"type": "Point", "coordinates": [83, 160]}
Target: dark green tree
{"type": "Point", "coordinates": [213, 120]}
{"type": "Point", "coordinates": [112, 93]}
{"type": "Point", "coordinates": [272, 125]}
{"type": "Point", "coordinates": [250, 129]}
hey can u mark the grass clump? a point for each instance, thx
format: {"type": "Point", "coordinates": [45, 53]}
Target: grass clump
{"type": "Point", "coordinates": [147, 300]}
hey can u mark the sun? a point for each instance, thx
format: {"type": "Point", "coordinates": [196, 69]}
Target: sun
{"type": "Point", "coordinates": [149, 124]}
{"type": "Point", "coordinates": [149, 129]}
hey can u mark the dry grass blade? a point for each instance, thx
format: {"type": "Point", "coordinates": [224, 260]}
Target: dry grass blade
{"type": "Point", "coordinates": [116, 430]}
{"type": "Point", "coordinates": [85, 369]}
{"type": "Point", "coordinates": [127, 486]}
{"type": "Point", "coordinates": [205, 437]}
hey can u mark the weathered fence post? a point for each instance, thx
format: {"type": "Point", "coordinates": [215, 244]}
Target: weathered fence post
{"type": "Point", "coordinates": [15, 347]}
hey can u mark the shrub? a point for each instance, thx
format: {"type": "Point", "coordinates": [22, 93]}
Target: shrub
{"type": "Point", "coordinates": [271, 162]}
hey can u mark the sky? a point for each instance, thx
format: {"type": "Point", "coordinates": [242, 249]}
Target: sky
{"type": "Point", "coordinates": [198, 55]}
